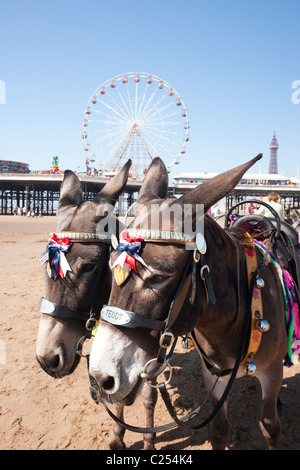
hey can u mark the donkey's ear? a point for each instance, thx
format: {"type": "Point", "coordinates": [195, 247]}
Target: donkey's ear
{"type": "Point", "coordinates": [218, 187]}
{"type": "Point", "coordinates": [112, 190]}
{"type": "Point", "coordinates": [155, 185]}
{"type": "Point", "coordinates": [70, 190]}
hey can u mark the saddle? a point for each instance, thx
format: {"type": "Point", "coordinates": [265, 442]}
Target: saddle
{"type": "Point", "coordinates": [286, 247]}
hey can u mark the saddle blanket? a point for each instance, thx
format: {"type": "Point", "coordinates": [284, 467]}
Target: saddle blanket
{"type": "Point", "coordinates": [292, 320]}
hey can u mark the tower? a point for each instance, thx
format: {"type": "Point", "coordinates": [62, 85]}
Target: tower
{"type": "Point", "coordinates": [273, 166]}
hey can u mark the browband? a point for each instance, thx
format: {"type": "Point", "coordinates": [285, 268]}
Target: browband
{"type": "Point", "coordinates": [84, 237]}
{"type": "Point", "coordinates": [147, 235]}
{"type": "Point", "coordinates": [161, 236]}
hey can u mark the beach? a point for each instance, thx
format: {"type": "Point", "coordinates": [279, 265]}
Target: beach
{"type": "Point", "coordinates": [38, 412]}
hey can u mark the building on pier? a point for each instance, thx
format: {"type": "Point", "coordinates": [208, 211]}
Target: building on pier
{"type": "Point", "coordinates": [40, 192]}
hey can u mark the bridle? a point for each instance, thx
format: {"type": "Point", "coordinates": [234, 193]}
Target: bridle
{"type": "Point", "coordinates": [120, 317]}
{"type": "Point", "coordinates": [62, 311]}
{"type": "Point", "coordinates": [185, 290]}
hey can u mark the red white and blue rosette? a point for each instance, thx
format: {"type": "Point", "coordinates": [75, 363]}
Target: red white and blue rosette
{"type": "Point", "coordinates": [55, 255]}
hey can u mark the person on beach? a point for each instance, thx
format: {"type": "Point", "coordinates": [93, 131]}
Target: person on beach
{"type": "Point", "coordinates": [273, 202]}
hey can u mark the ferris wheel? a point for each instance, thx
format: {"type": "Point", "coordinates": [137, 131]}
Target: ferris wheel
{"type": "Point", "coordinates": [135, 115]}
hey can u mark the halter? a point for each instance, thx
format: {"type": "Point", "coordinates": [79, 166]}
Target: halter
{"type": "Point", "coordinates": [119, 317]}
{"type": "Point", "coordinates": [61, 311]}
{"type": "Point", "coordinates": [166, 341]}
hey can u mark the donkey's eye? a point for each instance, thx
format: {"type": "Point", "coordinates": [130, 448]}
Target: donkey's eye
{"type": "Point", "coordinates": [87, 267]}
{"type": "Point", "coordinates": [81, 266]}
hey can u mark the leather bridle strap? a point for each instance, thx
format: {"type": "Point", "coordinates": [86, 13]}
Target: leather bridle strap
{"type": "Point", "coordinates": [174, 310]}
{"type": "Point", "coordinates": [61, 311]}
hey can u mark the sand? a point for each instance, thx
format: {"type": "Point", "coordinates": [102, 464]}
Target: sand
{"type": "Point", "coordinates": [39, 412]}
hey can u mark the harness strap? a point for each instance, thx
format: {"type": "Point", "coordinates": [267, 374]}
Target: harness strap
{"type": "Point", "coordinates": [256, 305]}
{"type": "Point", "coordinates": [174, 311]}
{"type": "Point", "coordinates": [248, 321]}
{"type": "Point", "coordinates": [61, 311]}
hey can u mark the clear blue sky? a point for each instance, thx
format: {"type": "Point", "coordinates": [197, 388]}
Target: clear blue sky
{"type": "Point", "coordinates": [232, 61]}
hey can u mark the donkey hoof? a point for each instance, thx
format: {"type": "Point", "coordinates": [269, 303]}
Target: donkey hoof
{"type": "Point", "coordinates": [117, 445]}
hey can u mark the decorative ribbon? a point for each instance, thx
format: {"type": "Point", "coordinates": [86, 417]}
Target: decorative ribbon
{"type": "Point", "coordinates": [233, 218]}
{"type": "Point", "coordinates": [130, 247]}
{"type": "Point", "coordinates": [56, 250]}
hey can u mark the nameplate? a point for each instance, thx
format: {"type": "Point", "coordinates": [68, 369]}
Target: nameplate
{"type": "Point", "coordinates": [114, 315]}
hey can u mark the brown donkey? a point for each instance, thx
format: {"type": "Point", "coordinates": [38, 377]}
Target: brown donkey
{"type": "Point", "coordinates": [69, 300]}
{"type": "Point", "coordinates": [209, 288]}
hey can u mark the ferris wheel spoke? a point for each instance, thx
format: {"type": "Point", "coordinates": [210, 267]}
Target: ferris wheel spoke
{"type": "Point", "coordinates": [129, 99]}
{"type": "Point", "coordinates": [143, 111]}
{"type": "Point", "coordinates": [161, 140]}
{"type": "Point", "coordinates": [112, 137]}
{"type": "Point", "coordinates": [150, 110]}
{"type": "Point", "coordinates": [142, 100]}
{"type": "Point", "coordinates": [109, 116]}
{"type": "Point", "coordinates": [156, 135]}
{"type": "Point", "coordinates": [136, 99]}
{"type": "Point", "coordinates": [117, 105]}
{"type": "Point", "coordinates": [113, 109]}
{"type": "Point", "coordinates": [111, 146]}
{"type": "Point", "coordinates": [128, 115]}
{"type": "Point", "coordinates": [153, 141]}
{"type": "Point", "coordinates": [107, 133]}
{"type": "Point", "coordinates": [162, 129]}
{"type": "Point", "coordinates": [158, 118]}
{"type": "Point", "coordinates": [107, 122]}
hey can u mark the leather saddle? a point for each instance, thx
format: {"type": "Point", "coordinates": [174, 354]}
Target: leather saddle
{"type": "Point", "coordinates": [286, 245]}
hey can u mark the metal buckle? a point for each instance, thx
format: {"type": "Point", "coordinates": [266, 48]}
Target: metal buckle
{"type": "Point", "coordinates": [166, 340]}
{"type": "Point", "coordinates": [91, 324]}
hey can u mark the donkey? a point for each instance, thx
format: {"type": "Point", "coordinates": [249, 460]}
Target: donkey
{"type": "Point", "coordinates": [125, 352]}
{"type": "Point", "coordinates": [87, 285]}
{"type": "Point", "coordinates": [85, 288]}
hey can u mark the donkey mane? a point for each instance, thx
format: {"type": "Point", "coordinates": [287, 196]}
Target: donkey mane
{"type": "Point", "coordinates": [222, 236]}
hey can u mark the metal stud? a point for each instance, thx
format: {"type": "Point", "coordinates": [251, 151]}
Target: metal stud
{"type": "Point", "coordinates": [187, 342]}
{"type": "Point", "coordinates": [263, 326]}
{"type": "Point", "coordinates": [250, 368]}
{"type": "Point", "coordinates": [260, 283]}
